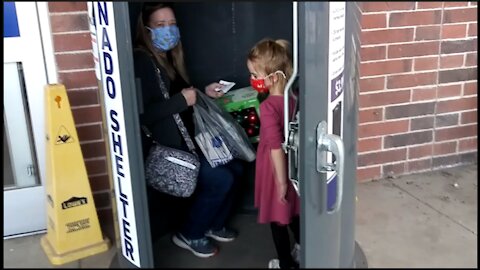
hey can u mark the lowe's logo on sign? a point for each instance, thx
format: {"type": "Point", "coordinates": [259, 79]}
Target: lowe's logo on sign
{"type": "Point", "coordinates": [112, 90]}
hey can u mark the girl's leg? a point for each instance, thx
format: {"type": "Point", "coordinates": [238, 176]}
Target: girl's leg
{"type": "Point", "coordinates": [282, 245]}
{"type": "Point", "coordinates": [295, 228]}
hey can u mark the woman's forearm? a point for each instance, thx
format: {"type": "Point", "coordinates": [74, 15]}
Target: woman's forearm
{"type": "Point", "coordinates": [165, 108]}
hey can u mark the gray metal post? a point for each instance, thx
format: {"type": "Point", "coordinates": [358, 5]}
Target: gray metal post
{"type": "Point", "coordinates": [350, 123]}
{"type": "Point", "coordinates": [132, 127]}
{"type": "Point", "coordinates": [328, 236]}
{"type": "Point", "coordinates": [119, 101]}
{"type": "Point", "coordinates": [320, 233]}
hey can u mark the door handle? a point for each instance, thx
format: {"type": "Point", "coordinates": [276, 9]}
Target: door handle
{"type": "Point", "coordinates": [331, 143]}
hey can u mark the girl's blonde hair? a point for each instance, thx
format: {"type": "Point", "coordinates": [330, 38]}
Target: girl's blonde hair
{"type": "Point", "coordinates": [271, 55]}
{"type": "Point", "coordinates": [143, 40]}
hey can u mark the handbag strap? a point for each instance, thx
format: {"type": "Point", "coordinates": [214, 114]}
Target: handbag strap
{"type": "Point", "coordinates": [178, 120]}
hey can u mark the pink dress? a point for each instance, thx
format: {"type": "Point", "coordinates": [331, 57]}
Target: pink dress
{"type": "Point", "coordinates": [271, 137]}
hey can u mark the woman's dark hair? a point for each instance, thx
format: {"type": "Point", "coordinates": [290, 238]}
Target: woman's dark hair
{"type": "Point", "coordinates": [143, 40]}
{"type": "Point", "coordinates": [149, 7]}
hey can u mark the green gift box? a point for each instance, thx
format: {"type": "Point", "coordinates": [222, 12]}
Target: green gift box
{"type": "Point", "coordinates": [243, 105]}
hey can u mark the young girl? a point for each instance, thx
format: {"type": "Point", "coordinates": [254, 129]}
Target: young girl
{"type": "Point", "coordinates": [270, 66]}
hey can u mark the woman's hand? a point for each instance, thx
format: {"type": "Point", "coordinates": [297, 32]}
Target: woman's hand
{"type": "Point", "coordinates": [190, 95]}
{"type": "Point", "coordinates": [211, 92]}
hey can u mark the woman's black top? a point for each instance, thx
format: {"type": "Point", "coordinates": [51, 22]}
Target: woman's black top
{"type": "Point", "coordinates": [158, 112]}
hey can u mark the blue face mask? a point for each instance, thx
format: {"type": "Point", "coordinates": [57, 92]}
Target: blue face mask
{"type": "Point", "coordinates": [165, 38]}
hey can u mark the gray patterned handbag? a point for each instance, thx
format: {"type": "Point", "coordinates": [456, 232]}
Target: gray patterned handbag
{"type": "Point", "coordinates": [171, 170]}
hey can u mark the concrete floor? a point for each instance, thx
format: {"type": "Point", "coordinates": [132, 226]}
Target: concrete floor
{"type": "Point", "coordinates": [424, 220]}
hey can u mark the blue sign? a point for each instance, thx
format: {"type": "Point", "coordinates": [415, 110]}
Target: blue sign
{"type": "Point", "coordinates": [336, 86]}
{"type": "Point", "coordinates": [331, 193]}
{"type": "Point", "coordinates": [217, 142]}
{"type": "Point", "coordinates": [10, 21]}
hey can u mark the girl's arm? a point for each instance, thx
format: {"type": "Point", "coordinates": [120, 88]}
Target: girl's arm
{"type": "Point", "coordinates": [279, 164]}
{"type": "Point", "coordinates": [272, 135]}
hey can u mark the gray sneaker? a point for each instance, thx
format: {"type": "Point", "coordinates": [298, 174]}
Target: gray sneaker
{"type": "Point", "coordinates": [222, 235]}
{"type": "Point", "coordinates": [202, 247]}
{"type": "Point", "coordinates": [274, 264]}
{"type": "Point", "coordinates": [296, 253]}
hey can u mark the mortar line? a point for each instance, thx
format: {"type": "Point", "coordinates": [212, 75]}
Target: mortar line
{"type": "Point", "coordinates": [433, 208]}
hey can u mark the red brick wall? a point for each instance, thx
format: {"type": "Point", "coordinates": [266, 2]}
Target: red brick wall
{"type": "Point", "coordinates": [418, 87]}
{"type": "Point", "coordinates": [76, 70]}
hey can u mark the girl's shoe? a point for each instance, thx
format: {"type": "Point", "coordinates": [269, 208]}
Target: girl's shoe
{"type": "Point", "coordinates": [274, 264]}
{"type": "Point", "coordinates": [296, 253]}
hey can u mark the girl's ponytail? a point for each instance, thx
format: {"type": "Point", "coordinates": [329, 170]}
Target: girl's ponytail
{"type": "Point", "coordinates": [284, 43]}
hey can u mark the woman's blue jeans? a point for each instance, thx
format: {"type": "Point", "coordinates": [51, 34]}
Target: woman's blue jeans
{"type": "Point", "coordinates": [213, 198]}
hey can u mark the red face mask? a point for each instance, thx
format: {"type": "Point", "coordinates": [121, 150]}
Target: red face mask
{"type": "Point", "coordinates": [259, 84]}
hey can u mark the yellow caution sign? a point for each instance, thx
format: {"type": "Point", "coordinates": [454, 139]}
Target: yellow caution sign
{"type": "Point", "coordinates": [73, 230]}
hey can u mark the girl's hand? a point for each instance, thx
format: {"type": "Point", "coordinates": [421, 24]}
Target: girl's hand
{"type": "Point", "coordinates": [282, 192]}
{"type": "Point", "coordinates": [211, 92]}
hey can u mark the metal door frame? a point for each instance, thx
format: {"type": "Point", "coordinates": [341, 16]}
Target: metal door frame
{"type": "Point", "coordinates": [327, 237]}
{"type": "Point", "coordinates": [313, 78]}
{"type": "Point", "coordinates": [134, 245]}
{"type": "Point", "coordinates": [25, 47]}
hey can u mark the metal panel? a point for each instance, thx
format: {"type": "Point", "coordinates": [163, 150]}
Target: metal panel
{"type": "Point", "coordinates": [217, 37]}
{"type": "Point", "coordinates": [350, 123]}
{"type": "Point", "coordinates": [320, 232]}
{"type": "Point", "coordinates": [328, 237]}
{"type": "Point", "coordinates": [132, 127]}
{"type": "Point", "coordinates": [131, 121]}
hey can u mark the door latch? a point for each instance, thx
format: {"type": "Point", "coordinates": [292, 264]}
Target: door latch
{"type": "Point", "coordinates": [291, 148]}
{"type": "Point", "coordinates": [331, 143]}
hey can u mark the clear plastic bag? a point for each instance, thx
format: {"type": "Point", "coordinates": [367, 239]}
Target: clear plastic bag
{"type": "Point", "coordinates": [219, 136]}
{"type": "Point", "coordinates": [209, 139]}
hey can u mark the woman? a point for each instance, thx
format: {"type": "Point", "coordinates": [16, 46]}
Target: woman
{"type": "Point", "coordinates": [158, 44]}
